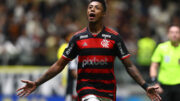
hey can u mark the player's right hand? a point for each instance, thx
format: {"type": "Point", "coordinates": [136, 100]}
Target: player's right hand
{"type": "Point", "coordinates": [27, 89]}
{"type": "Point", "coordinates": [153, 94]}
{"type": "Point", "coordinates": [159, 90]}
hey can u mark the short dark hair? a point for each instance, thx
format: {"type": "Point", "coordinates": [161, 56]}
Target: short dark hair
{"type": "Point", "coordinates": [103, 2]}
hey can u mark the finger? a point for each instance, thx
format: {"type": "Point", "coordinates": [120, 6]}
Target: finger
{"type": "Point", "coordinates": [156, 87]}
{"type": "Point", "coordinates": [158, 96]}
{"type": "Point", "coordinates": [20, 93]}
{"type": "Point", "coordinates": [20, 89]}
{"type": "Point", "coordinates": [155, 99]}
{"type": "Point", "coordinates": [25, 81]}
{"type": "Point", "coordinates": [27, 94]}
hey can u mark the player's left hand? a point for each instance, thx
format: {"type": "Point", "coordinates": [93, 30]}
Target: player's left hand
{"type": "Point", "coordinates": [152, 93]}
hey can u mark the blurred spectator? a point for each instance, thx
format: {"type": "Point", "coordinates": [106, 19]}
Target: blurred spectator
{"type": "Point", "coordinates": [25, 46]}
{"type": "Point", "coordinates": [2, 49]}
{"type": "Point", "coordinates": [51, 45]}
{"type": "Point", "coordinates": [146, 46]}
{"type": "Point", "coordinates": [46, 20]}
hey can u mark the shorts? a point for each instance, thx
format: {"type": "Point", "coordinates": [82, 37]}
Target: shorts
{"type": "Point", "coordinates": [94, 98]}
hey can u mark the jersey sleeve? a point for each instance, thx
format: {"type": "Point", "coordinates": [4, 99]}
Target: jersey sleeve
{"type": "Point", "coordinates": [73, 64]}
{"type": "Point", "coordinates": [156, 57]}
{"type": "Point", "coordinates": [71, 50]}
{"type": "Point", "coordinates": [121, 50]}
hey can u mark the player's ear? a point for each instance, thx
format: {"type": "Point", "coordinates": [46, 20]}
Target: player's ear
{"type": "Point", "coordinates": [104, 13]}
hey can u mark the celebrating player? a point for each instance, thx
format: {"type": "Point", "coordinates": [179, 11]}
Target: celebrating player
{"type": "Point", "coordinates": [96, 47]}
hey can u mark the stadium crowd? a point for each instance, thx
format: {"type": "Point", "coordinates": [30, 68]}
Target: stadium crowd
{"type": "Point", "coordinates": [31, 31]}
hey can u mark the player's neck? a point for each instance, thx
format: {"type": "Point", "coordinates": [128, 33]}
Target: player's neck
{"type": "Point", "coordinates": [175, 44]}
{"type": "Point", "coordinates": [95, 27]}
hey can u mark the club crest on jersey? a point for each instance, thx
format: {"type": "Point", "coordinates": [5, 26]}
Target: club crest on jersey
{"type": "Point", "coordinates": [105, 43]}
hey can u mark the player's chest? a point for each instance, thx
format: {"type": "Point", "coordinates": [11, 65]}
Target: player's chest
{"type": "Point", "coordinates": [171, 55]}
{"type": "Point", "coordinates": [96, 43]}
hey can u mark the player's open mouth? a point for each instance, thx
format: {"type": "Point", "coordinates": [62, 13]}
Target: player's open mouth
{"type": "Point", "coordinates": [92, 15]}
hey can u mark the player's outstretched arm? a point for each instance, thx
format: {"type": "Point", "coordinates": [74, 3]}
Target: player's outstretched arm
{"type": "Point", "coordinates": [30, 86]}
{"type": "Point", "coordinates": [135, 74]}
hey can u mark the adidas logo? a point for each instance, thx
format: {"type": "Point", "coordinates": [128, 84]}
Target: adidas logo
{"type": "Point", "coordinates": [85, 44]}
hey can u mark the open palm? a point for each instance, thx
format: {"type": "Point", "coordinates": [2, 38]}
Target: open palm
{"type": "Point", "coordinates": [153, 94]}
{"type": "Point", "coordinates": [27, 89]}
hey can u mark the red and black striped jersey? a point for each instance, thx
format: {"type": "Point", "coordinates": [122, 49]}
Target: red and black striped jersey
{"type": "Point", "coordinates": [96, 55]}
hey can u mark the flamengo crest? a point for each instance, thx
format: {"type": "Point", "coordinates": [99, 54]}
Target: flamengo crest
{"type": "Point", "coordinates": [105, 43]}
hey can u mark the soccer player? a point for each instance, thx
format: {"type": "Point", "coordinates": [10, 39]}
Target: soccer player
{"type": "Point", "coordinates": [96, 47]}
{"type": "Point", "coordinates": [167, 58]}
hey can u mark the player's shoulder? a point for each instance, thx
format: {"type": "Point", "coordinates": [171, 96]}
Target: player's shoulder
{"type": "Point", "coordinates": [111, 31]}
{"type": "Point", "coordinates": [164, 45]}
{"type": "Point", "coordinates": [80, 32]}
{"type": "Point", "coordinates": [114, 34]}
{"type": "Point", "coordinates": [77, 34]}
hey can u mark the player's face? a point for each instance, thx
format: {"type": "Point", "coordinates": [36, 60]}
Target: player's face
{"type": "Point", "coordinates": [174, 34]}
{"type": "Point", "coordinates": [95, 11]}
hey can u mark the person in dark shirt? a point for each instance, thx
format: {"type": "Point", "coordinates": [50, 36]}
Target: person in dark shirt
{"type": "Point", "coordinates": [96, 47]}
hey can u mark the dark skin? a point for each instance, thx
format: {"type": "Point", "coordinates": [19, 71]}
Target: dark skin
{"type": "Point", "coordinates": [95, 13]}
{"type": "Point", "coordinates": [95, 17]}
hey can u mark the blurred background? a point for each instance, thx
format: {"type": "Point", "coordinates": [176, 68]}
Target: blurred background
{"type": "Point", "coordinates": [31, 31]}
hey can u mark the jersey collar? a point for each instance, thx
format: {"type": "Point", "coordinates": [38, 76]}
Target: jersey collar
{"type": "Point", "coordinates": [103, 31]}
